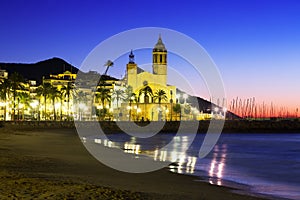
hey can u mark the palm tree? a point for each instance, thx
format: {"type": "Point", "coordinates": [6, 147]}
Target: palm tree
{"type": "Point", "coordinates": [54, 94]}
{"type": "Point", "coordinates": [3, 97]}
{"type": "Point", "coordinates": [118, 95]}
{"type": "Point", "coordinates": [177, 109]}
{"type": "Point", "coordinates": [108, 64]}
{"type": "Point", "coordinates": [23, 99]}
{"type": "Point", "coordinates": [80, 97]}
{"type": "Point", "coordinates": [187, 110]}
{"type": "Point", "coordinates": [68, 91]}
{"type": "Point", "coordinates": [160, 95]}
{"type": "Point", "coordinates": [61, 98]}
{"type": "Point", "coordinates": [129, 94]}
{"type": "Point", "coordinates": [103, 94]}
{"type": "Point", "coordinates": [44, 90]}
{"type": "Point", "coordinates": [38, 97]}
{"type": "Point", "coordinates": [5, 86]}
{"type": "Point", "coordinates": [131, 97]}
{"type": "Point", "coordinates": [16, 81]}
{"type": "Point", "coordinates": [146, 91]}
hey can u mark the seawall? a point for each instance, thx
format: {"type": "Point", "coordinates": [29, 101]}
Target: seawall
{"type": "Point", "coordinates": [230, 126]}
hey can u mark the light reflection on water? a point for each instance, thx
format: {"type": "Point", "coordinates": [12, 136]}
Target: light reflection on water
{"type": "Point", "coordinates": [182, 161]}
{"type": "Point", "coordinates": [217, 165]}
{"type": "Point", "coordinates": [262, 164]}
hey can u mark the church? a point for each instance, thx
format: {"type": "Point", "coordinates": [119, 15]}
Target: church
{"type": "Point", "coordinates": [155, 98]}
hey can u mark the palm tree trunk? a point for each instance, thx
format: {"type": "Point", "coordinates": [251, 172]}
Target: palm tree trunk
{"type": "Point", "coordinates": [45, 108]}
{"type": "Point", "coordinates": [68, 107]}
{"type": "Point", "coordinates": [39, 114]}
{"type": "Point", "coordinates": [61, 109]}
{"type": "Point", "coordinates": [18, 110]}
{"type": "Point", "coordinates": [5, 108]}
{"type": "Point", "coordinates": [14, 107]}
{"type": "Point", "coordinates": [23, 115]}
{"type": "Point", "coordinates": [54, 112]}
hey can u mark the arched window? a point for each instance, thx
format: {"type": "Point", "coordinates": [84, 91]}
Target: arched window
{"type": "Point", "coordinates": [155, 58]}
{"type": "Point", "coordinates": [146, 99]}
{"type": "Point", "coordinates": [160, 58]}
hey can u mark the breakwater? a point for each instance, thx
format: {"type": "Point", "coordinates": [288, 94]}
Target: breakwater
{"type": "Point", "coordinates": [230, 126]}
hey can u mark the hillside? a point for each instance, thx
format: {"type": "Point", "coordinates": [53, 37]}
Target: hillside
{"type": "Point", "coordinates": [36, 71]}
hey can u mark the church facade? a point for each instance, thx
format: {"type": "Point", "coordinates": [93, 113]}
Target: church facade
{"type": "Point", "coordinates": [154, 97]}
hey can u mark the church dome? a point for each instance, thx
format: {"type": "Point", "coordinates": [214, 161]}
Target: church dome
{"type": "Point", "coordinates": [159, 46]}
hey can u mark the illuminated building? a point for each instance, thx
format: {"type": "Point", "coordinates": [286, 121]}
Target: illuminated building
{"type": "Point", "coordinates": [146, 106]}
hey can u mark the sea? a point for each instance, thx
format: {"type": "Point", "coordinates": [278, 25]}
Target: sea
{"type": "Point", "coordinates": [258, 164]}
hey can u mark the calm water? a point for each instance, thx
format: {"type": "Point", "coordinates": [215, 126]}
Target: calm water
{"type": "Point", "coordinates": [267, 164]}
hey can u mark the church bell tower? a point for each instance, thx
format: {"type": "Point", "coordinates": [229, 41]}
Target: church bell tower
{"type": "Point", "coordinates": [131, 71]}
{"type": "Point", "coordinates": [159, 55]}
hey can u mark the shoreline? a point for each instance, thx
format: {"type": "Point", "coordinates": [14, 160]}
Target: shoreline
{"type": "Point", "coordinates": [230, 126]}
{"type": "Point", "coordinates": [232, 186]}
{"type": "Point", "coordinates": [56, 160]}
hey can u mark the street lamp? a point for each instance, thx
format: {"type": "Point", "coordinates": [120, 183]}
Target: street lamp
{"type": "Point", "coordinates": [100, 107]}
{"type": "Point", "coordinates": [159, 114]}
{"type": "Point", "coordinates": [138, 111]}
{"type": "Point", "coordinates": [129, 110]}
{"type": "Point", "coordinates": [216, 109]}
{"type": "Point", "coordinates": [81, 107]}
{"type": "Point", "coordinates": [20, 106]}
{"type": "Point", "coordinates": [33, 105]}
{"type": "Point", "coordinates": [130, 102]}
{"type": "Point", "coordinates": [167, 111]}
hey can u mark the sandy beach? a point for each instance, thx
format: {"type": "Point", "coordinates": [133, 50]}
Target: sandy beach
{"type": "Point", "coordinates": [53, 164]}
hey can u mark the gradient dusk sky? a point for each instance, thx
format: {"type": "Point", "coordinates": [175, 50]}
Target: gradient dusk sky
{"type": "Point", "coordinates": [255, 44]}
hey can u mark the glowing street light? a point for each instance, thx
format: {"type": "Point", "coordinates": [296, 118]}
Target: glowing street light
{"type": "Point", "coordinates": [34, 104]}
{"type": "Point", "coordinates": [57, 105]}
{"type": "Point", "coordinates": [216, 109]}
{"type": "Point", "coordinates": [81, 105]}
{"type": "Point", "coordinates": [21, 105]}
{"type": "Point", "coordinates": [100, 107]}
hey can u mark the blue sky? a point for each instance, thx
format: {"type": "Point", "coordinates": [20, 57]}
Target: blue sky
{"type": "Point", "coordinates": [255, 44]}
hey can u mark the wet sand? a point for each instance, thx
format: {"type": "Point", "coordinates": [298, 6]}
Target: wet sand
{"type": "Point", "coordinates": [53, 164]}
